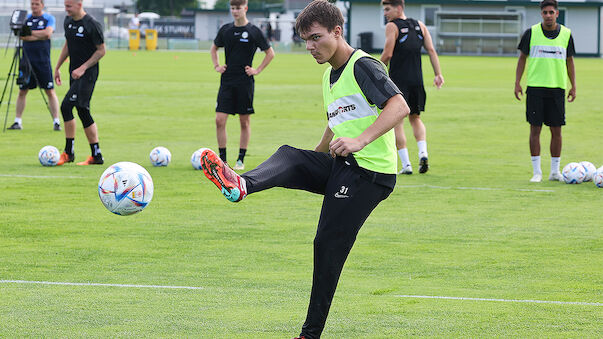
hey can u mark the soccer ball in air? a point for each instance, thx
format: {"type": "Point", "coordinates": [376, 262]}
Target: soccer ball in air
{"type": "Point", "coordinates": [49, 155]}
{"type": "Point", "coordinates": [125, 188]}
{"type": "Point", "coordinates": [589, 170]}
{"type": "Point", "coordinates": [196, 159]}
{"type": "Point", "coordinates": [160, 156]}
{"type": "Point", "coordinates": [598, 177]}
{"type": "Point", "coordinates": [573, 173]}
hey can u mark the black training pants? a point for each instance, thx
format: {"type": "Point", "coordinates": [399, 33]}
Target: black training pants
{"type": "Point", "coordinates": [349, 198]}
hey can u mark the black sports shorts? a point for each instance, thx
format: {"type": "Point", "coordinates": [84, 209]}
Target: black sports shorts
{"type": "Point", "coordinates": [545, 105]}
{"type": "Point", "coordinates": [80, 90]}
{"type": "Point", "coordinates": [236, 98]}
{"type": "Point", "coordinates": [415, 98]}
{"type": "Point", "coordinates": [42, 72]}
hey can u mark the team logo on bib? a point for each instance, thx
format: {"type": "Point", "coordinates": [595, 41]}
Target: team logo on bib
{"type": "Point", "coordinates": [80, 29]}
{"type": "Point", "coordinates": [244, 35]}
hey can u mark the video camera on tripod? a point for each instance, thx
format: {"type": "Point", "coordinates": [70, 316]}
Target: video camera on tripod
{"type": "Point", "coordinates": [17, 23]}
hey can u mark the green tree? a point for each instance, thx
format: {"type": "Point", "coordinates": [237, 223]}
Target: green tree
{"type": "Point", "coordinates": [165, 7]}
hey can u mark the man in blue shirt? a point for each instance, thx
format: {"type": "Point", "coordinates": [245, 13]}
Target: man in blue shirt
{"type": "Point", "coordinates": [36, 50]}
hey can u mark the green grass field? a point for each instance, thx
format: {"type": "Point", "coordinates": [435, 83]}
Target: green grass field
{"type": "Point", "coordinates": [472, 227]}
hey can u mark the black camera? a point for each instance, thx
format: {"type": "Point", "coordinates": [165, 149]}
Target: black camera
{"type": "Point", "coordinates": [17, 23]}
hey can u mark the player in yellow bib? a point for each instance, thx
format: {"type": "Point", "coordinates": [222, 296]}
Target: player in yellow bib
{"type": "Point", "coordinates": [548, 49]}
{"type": "Point", "coordinates": [353, 166]}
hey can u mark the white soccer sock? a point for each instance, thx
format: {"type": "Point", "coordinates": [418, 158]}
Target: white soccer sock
{"type": "Point", "coordinates": [403, 153]}
{"type": "Point", "coordinates": [422, 148]}
{"type": "Point", "coordinates": [555, 162]}
{"type": "Point", "coordinates": [18, 120]}
{"type": "Point", "coordinates": [536, 164]}
{"type": "Point", "coordinates": [57, 121]}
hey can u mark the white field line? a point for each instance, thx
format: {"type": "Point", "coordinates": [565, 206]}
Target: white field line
{"type": "Point", "coordinates": [475, 188]}
{"type": "Point", "coordinates": [41, 176]}
{"type": "Point", "coordinates": [503, 300]}
{"type": "Point", "coordinates": [97, 284]}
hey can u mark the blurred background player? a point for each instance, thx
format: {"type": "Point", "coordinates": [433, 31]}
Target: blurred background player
{"type": "Point", "coordinates": [404, 38]}
{"type": "Point", "coordinates": [548, 48]}
{"type": "Point", "coordinates": [36, 49]}
{"type": "Point", "coordinates": [240, 40]}
{"type": "Point", "coordinates": [84, 46]}
{"type": "Point", "coordinates": [354, 164]}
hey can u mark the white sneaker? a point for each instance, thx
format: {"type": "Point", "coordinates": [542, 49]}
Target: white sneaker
{"type": "Point", "coordinates": [556, 176]}
{"type": "Point", "coordinates": [406, 170]}
{"type": "Point", "coordinates": [239, 166]}
{"type": "Point", "coordinates": [536, 178]}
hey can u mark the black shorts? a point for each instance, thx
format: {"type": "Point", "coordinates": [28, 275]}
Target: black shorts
{"type": "Point", "coordinates": [545, 105]}
{"type": "Point", "coordinates": [80, 90]}
{"type": "Point", "coordinates": [415, 98]}
{"type": "Point", "coordinates": [236, 98]}
{"type": "Point", "coordinates": [42, 72]}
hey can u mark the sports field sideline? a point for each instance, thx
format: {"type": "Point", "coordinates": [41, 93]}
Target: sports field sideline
{"type": "Point", "coordinates": [470, 249]}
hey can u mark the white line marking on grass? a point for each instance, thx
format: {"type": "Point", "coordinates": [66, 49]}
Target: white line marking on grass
{"type": "Point", "coordinates": [476, 188]}
{"type": "Point", "coordinates": [98, 284]}
{"type": "Point", "coordinates": [503, 300]}
{"type": "Point", "coordinates": [41, 176]}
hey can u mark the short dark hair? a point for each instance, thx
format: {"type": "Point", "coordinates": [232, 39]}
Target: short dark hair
{"type": "Point", "coordinates": [238, 2]}
{"type": "Point", "coordinates": [321, 12]}
{"type": "Point", "coordinates": [545, 3]}
{"type": "Point", "coordinates": [393, 2]}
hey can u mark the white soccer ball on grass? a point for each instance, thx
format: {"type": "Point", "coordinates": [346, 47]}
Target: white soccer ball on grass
{"type": "Point", "coordinates": [49, 156]}
{"type": "Point", "coordinates": [589, 170]}
{"type": "Point", "coordinates": [160, 156]}
{"type": "Point", "coordinates": [598, 177]}
{"type": "Point", "coordinates": [125, 188]}
{"type": "Point", "coordinates": [196, 158]}
{"type": "Point", "coordinates": [573, 173]}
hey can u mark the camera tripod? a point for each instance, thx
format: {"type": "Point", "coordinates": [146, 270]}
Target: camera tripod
{"type": "Point", "coordinates": [19, 57]}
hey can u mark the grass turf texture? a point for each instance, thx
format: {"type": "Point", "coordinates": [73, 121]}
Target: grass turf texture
{"type": "Point", "coordinates": [254, 259]}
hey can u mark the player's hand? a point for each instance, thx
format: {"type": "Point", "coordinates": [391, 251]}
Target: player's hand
{"type": "Point", "coordinates": [571, 96]}
{"type": "Point", "coordinates": [78, 72]}
{"type": "Point", "coordinates": [251, 71]}
{"type": "Point", "coordinates": [518, 92]}
{"type": "Point", "coordinates": [438, 81]}
{"type": "Point", "coordinates": [344, 146]}
{"type": "Point", "coordinates": [57, 77]}
{"type": "Point", "coordinates": [220, 69]}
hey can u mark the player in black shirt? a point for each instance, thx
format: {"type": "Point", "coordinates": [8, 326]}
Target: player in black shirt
{"type": "Point", "coordinates": [404, 38]}
{"type": "Point", "coordinates": [240, 40]}
{"type": "Point", "coordinates": [36, 53]}
{"type": "Point", "coordinates": [84, 46]}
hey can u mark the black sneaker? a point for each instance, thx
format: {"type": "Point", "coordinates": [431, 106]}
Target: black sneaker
{"type": "Point", "coordinates": [423, 165]}
{"type": "Point", "coordinates": [57, 126]}
{"type": "Point", "coordinates": [97, 160]}
{"type": "Point", "coordinates": [15, 126]}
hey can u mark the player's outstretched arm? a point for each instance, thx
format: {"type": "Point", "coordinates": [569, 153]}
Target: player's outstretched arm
{"type": "Point", "coordinates": [521, 65]}
{"type": "Point", "coordinates": [267, 58]}
{"type": "Point", "coordinates": [213, 51]}
{"type": "Point", "coordinates": [62, 57]}
{"type": "Point", "coordinates": [391, 34]}
{"type": "Point", "coordinates": [438, 79]}
{"type": "Point", "coordinates": [394, 111]}
{"type": "Point", "coordinates": [571, 73]}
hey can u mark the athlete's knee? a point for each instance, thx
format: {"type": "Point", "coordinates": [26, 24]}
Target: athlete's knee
{"type": "Point", "coordinates": [85, 117]}
{"type": "Point", "coordinates": [67, 110]}
{"type": "Point", "coordinates": [221, 122]}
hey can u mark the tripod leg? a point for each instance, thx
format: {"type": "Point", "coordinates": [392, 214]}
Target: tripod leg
{"type": "Point", "coordinates": [11, 73]}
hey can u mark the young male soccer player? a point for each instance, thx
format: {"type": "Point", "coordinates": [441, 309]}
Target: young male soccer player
{"type": "Point", "coordinates": [404, 38]}
{"type": "Point", "coordinates": [84, 46]}
{"type": "Point", "coordinates": [354, 165]}
{"type": "Point", "coordinates": [240, 40]}
{"type": "Point", "coordinates": [36, 49]}
{"type": "Point", "coordinates": [548, 48]}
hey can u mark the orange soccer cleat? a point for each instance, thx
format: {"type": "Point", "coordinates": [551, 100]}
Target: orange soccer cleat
{"type": "Point", "coordinates": [65, 157]}
{"type": "Point", "coordinates": [228, 182]}
{"type": "Point", "coordinates": [92, 161]}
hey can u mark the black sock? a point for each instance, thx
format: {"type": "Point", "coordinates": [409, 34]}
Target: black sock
{"type": "Point", "coordinates": [222, 153]}
{"type": "Point", "coordinates": [95, 150]}
{"type": "Point", "coordinates": [242, 152]}
{"type": "Point", "coordinates": [69, 145]}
